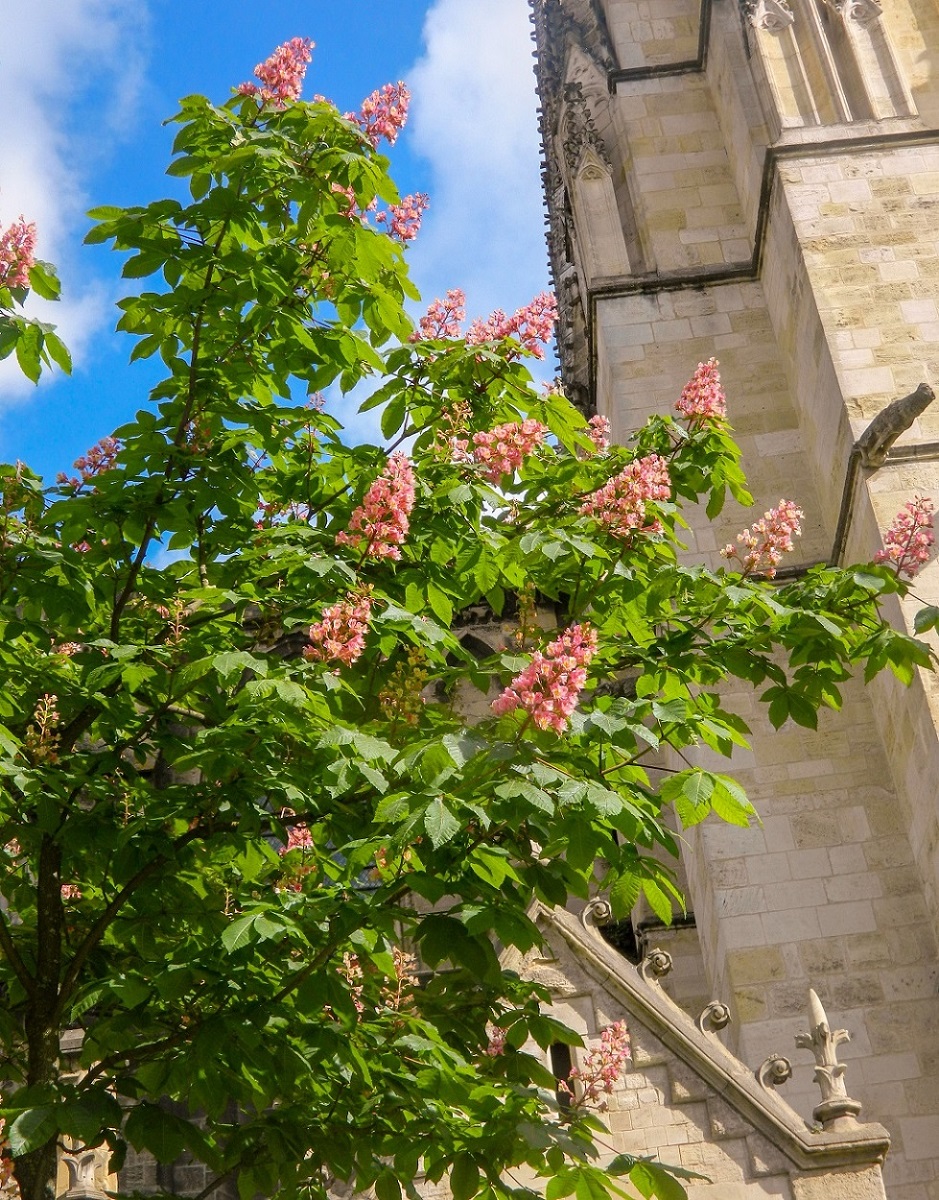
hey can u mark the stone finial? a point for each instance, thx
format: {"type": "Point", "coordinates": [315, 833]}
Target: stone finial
{"type": "Point", "coordinates": [772, 15]}
{"type": "Point", "coordinates": [836, 1107]}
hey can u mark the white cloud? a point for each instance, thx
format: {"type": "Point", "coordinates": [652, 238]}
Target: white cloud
{"type": "Point", "coordinates": [55, 54]}
{"type": "Point", "coordinates": [474, 118]}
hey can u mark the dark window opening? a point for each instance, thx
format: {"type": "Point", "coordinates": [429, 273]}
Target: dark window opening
{"type": "Point", "coordinates": [561, 1066]}
{"type": "Point", "coordinates": [621, 935]}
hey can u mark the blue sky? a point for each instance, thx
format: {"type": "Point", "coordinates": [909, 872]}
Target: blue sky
{"type": "Point", "coordinates": [94, 80]}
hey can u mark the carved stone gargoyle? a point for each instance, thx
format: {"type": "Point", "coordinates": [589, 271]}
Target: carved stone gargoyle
{"type": "Point", "coordinates": [876, 440]}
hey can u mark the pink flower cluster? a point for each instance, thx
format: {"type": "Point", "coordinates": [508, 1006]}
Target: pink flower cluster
{"type": "Point", "coordinates": [909, 539]}
{"type": "Point", "coordinates": [380, 523]}
{"type": "Point", "coordinates": [496, 1046]}
{"type": "Point", "coordinates": [384, 113]}
{"type": "Point", "coordinates": [620, 504]}
{"type": "Point", "coordinates": [602, 1067]}
{"type": "Point", "coordinates": [100, 458]}
{"type": "Point", "coordinates": [702, 398]}
{"type": "Point", "coordinates": [532, 326]}
{"type": "Point", "coordinates": [549, 687]}
{"type": "Point", "coordinates": [404, 219]}
{"type": "Point", "coordinates": [599, 433]}
{"type": "Point", "coordinates": [503, 450]}
{"type": "Point", "coordinates": [17, 246]}
{"type": "Point", "coordinates": [282, 74]}
{"type": "Point", "coordinates": [298, 838]}
{"type": "Point", "coordinates": [443, 318]}
{"type": "Point", "coordinates": [340, 635]}
{"type": "Point", "coordinates": [768, 539]}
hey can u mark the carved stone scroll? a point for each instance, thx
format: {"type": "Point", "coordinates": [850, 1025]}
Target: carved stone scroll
{"type": "Point", "coordinates": [774, 1071]}
{"type": "Point", "coordinates": [596, 912]}
{"type": "Point", "coordinates": [715, 1016]}
{"type": "Point", "coordinates": [655, 966]}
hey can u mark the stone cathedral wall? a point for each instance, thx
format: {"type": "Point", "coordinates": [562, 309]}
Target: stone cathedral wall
{"type": "Point", "coordinates": [783, 190]}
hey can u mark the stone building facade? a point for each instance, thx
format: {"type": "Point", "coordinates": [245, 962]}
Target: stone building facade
{"type": "Point", "coordinates": [758, 180]}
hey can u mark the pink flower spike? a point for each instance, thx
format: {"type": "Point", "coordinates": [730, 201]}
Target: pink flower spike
{"type": "Point", "coordinates": [767, 540]}
{"type": "Point", "coordinates": [599, 433]}
{"type": "Point", "coordinates": [702, 398]}
{"type": "Point", "coordinates": [621, 503]}
{"type": "Point", "coordinates": [340, 635]}
{"type": "Point", "coordinates": [603, 1067]}
{"type": "Point", "coordinates": [532, 326]}
{"type": "Point", "coordinates": [549, 687]}
{"type": "Point", "coordinates": [496, 1047]}
{"type": "Point", "coordinates": [282, 74]}
{"type": "Point", "coordinates": [17, 246]}
{"type": "Point", "coordinates": [384, 113]}
{"type": "Point", "coordinates": [909, 538]}
{"type": "Point", "coordinates": [404, 219]}
{"type": "Point", "coordinates": [502, 450]}
{"type": "Point", "coordinates": [100, 458]}
{"type": "Point", "coordinates": [444, 317]}
{"type": "Point", "coordinates": [380, 523]}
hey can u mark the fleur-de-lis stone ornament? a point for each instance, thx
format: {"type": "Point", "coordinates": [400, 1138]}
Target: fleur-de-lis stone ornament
{"type": "Point", "coordinates": [836, 1106]}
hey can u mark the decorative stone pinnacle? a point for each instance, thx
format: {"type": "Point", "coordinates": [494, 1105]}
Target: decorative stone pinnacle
{"type": "Point", "coordinates": [836, 1108]}
{"type": "Point", "coordinates": [655, 966]}
{"type": "Point", "coordinates": [714, 1017]}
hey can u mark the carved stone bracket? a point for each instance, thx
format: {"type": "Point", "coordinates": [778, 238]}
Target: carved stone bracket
{"type": "Point", "coordinates": [772, 15]}
{"type": "Point", "coordinates": [716, 1016]}
{"type": "Point", "coordinates": [862, 11]}
{"type": "Point", "coordinates": [774, 1071]}
{"type": "Point", "coordinates": [836, 1105]}
{"type": "Point", "coordinates": [655, 966]}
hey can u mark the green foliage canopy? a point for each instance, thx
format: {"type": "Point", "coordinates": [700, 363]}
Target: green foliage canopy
{"type": "Point", "coordinates": [215, 846]}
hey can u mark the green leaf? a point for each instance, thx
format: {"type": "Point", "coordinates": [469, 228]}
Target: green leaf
{"type": "Point", "coordinates": [624, 894]}
{"type": "Point", "coordinates": [926, 618]}
{"type": "Point", "coordinates": [654, 1181]}
{"type": "Point", "coordinates": [440, 823]}
{"type": "Point", "coordinates": [658, 901]}
{"type": "Point", "coordinates": [32, 1129]}
{"type": "Point", "coordinates": [464, 1177]}
{"type": "Point", "coordinates": [387, 1186]}
{"type": "Point", "coordinates": [240, 933]}
{"type": "Point", "coordinates": [44, 281]}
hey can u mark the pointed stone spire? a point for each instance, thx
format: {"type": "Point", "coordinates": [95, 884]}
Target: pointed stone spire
{"type": "Point", "coordinates": [837, 1110]}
